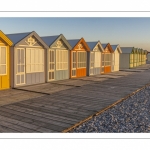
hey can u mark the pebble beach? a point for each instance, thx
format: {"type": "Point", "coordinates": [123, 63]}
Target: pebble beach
{"type": "Point", "coordinates": [130, 116]}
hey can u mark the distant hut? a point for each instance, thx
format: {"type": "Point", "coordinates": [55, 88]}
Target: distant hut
{"type": "Point", "coordinates": [115, 57]}
{"type": "Point", "coordinates": [94, 58]}
{"type": "Point", "coordinates": [106, 58]}
{"type": "Point", "coordinates": [78, 58]}
{"type": "Point", "coordinates": [58, 57]}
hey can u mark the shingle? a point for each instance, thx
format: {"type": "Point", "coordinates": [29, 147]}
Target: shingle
{"type": "Point", "coordinates": [15, 38]}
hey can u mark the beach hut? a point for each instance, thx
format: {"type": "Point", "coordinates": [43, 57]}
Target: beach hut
{"type": "Point", "coordinates": [106, 58]}
{"type": "Point", "coordinates": [127, 58]}
{"type": "Point", "coordinates": [115, 57]}
{"type": "Point", "coordinates": [148, 56]}
{"type": "Point", "coordinates": [140, 56]}
{"type": "Point", "coordinates": [94, 58]}
{"type": "Point", "coordinates": [27, 59]}
{"type": "Point", "coordinates": [58, 62]}
{"type": "Point", "coordinates": [5, 44]}
{"type": "Point", "coordinates": [135, 57]}
{"type": "Point", "coordinates": [145, 56]}
{"type": "Point", "coordinates": [78, 58]}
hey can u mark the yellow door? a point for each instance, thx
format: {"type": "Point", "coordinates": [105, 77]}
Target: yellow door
{"type": "Point", "coordinates": [4, 67]}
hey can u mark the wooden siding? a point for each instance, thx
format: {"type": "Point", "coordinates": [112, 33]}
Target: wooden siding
{"type": "Point", "coordinates": [61, 74]}
{"type": "Point", "coordinates": [124, 62]}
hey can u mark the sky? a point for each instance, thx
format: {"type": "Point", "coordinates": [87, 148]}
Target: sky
{"type": "Point", "coordinates": [126, 32]}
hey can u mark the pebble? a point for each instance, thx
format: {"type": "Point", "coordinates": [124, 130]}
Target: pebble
{"type": "Point", "coordinates": [130, 116]}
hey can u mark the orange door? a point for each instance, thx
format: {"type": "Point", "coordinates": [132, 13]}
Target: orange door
{"type": "Point", "coordinates": [81, 72]}
{"type": "Point", "coordinates": [107, 69]}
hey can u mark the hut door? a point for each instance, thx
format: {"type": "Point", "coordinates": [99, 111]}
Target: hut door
{"type": "Point", "coordinates": [74, 64]}
{"type": "Point", "coordinates": [20, 70]}
{"type": "Point", "coordinates": [92, 63]}
{"type": "Point", "coordinates": [103, 63]}
{"type": "Point", "coordinates": [113, 61]}
{"type": "Point", "coordinates": [51, 72]}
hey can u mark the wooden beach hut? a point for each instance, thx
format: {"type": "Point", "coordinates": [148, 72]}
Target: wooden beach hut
{"type": "Point", "coordinates": [135, 57]}
{"type": "Point", "coordinates": [115, 57]}
{"type": "Point", "coordinates": [106, 58]}
{"type": "Point", "coordinates": [78, 58]}
{"type": "Point", "coordinates": [27, 59]}
{"type": "Point", "coordinates": [5, 44]}
{"type": "Point", "coordinates": [58, 62]}
{"type": "Point", "coordinates": [145, 56]}
{"type": "Point", "coordinates": [140, 56]}
{"type": "Point", "coordinates": [148, 56]}
{"type": "Point", "coordinates": [127, 58]}
{"type": "Point", "coordinates": [94, 58]}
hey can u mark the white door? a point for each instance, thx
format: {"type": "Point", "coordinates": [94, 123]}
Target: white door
{"type": "Point", "coordinates": [103, 63]}
{"type": "Point", "coordinates": [113, 62]}
{"type": "Point", "coordinates": [51, 70]}
{"type": "Point", "coordinates": [74, 64]}
{"type": "Point", "coordinates": [20, 70]}
{"type": "Point", "coordinates": [92, 59]}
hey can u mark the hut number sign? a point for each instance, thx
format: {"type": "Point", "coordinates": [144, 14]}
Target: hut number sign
{"type": "Point", "coordinates": [59, 44]}
{"type": "Point", "coordinates": [31, 41]}
{"type": "Point", "coordinates": [80, 46]}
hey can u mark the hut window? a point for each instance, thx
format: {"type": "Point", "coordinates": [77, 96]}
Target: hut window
{"type": "Point", "coordinates": [103, 60]}
{"type": "Point", "coordinates": [107, 59]}
{"type": "Point", "coordinates": [61, 59]}
{"type": "Point", "coordinates": [97, 59]}
{"type": "Point", "coordinates": [3, 64]}
{"type": "Point", "coordinates": [81, 60]}
{"type": "Point", "coordinates": [34, 60]}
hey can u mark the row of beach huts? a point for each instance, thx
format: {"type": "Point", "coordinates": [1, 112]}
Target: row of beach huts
{"type": "Point", "coordinates": [27, 58]}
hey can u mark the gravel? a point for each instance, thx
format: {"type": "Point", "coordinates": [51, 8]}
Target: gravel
{"type": "Point", "coordinates": [130, 116]}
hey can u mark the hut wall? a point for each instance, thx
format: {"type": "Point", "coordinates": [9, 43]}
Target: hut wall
{"type": "Point", "coordinates": [124, 61]}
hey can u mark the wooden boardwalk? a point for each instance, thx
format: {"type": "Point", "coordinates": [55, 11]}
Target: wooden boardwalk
{"type": "Point", "coordinates": [54, 107]}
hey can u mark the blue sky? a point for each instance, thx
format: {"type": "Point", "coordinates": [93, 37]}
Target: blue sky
{"type": "Point", "coordinates": [124, 31]}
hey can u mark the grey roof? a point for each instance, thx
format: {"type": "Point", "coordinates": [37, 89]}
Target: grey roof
{"type": "Point", "coordinates": [91, 45]}
{"type": "Point", "coordinates": [73, 42]}
{"type": "Point", "coordinates": [104, 45]}
{"type": "Point", "coordinates": [114, 47]}
{"type": "Point", "coordinates": [15, 38]}
{"type": "Point", "coordinates": [127, 49]}
{"type": "Point", "coordinates": [49, 40]}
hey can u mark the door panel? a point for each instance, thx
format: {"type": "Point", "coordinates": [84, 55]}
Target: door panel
{"type": "Point", "coordinates": [51, 72]}
{"type": "Point", "coordinates": [92, 59]}
{"type": "Point", "coordinates": [20, 66]}
{"type": "Point", "coordinates": [113, 61]}
{"type": "Point", "coordinates": [74, 64]}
